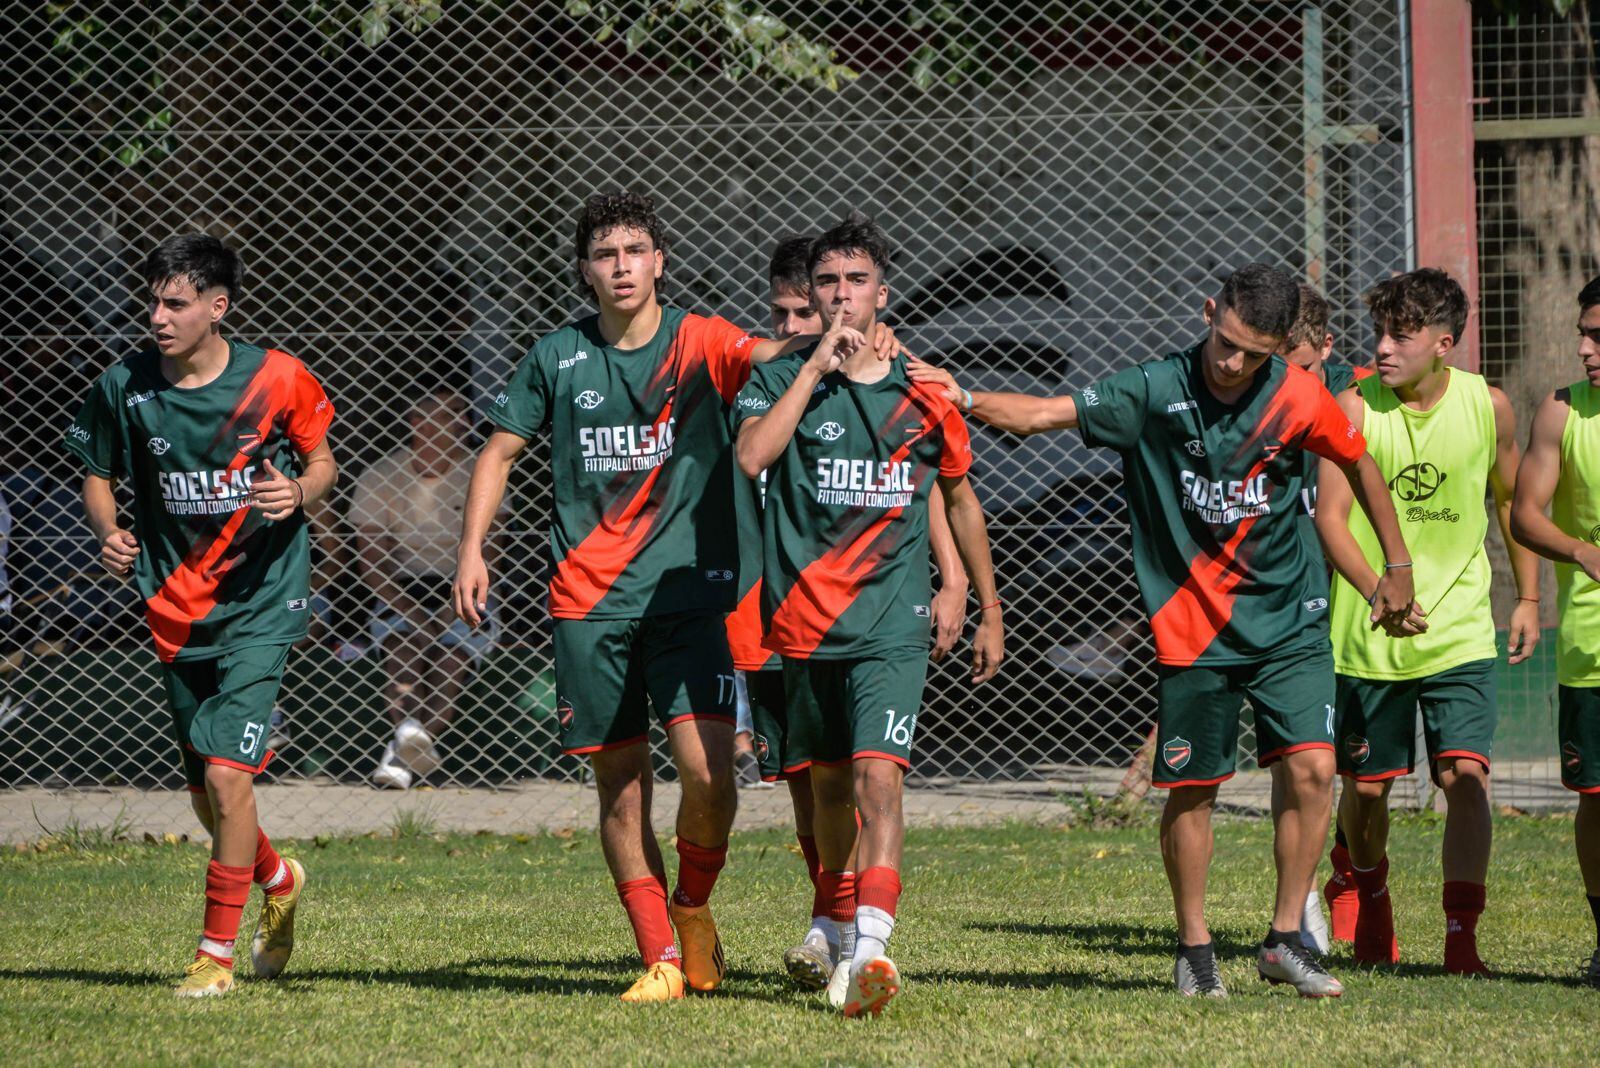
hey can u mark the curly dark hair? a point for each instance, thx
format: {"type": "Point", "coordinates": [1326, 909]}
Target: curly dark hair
{"type": "Point", "coordinates": [200, 259]}
{"type": "Point", "coordinates": [1589, 295]}
{"type": "Point", "coordinates": [606, 211]}
{"type": "Point", "coordinates": [853, 233]}
{"type": "Point", "coordinates": [788, 267]}
{"type": "Point", "coordinates": [1416, 300]}
{"type": "Point", "coordinates": [1310, 325]}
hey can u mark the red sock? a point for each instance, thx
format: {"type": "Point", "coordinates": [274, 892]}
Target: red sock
{"type": "Point", "coordinates": [835, 897]}
{"type": "Point", "coordinates": [267, 864]}
{"type": "Point", "coordinates": [645, 901]}
{"type": "Point", "coordinates": [1463, 904]}
{"type": "Point", "coordinates": [227, 890]}
{"type": "Point", "coordinates": [878, 888]}
{"type": "Point", "coordinates": [1344, 904]}
{"type": "Point", "coordinates": [697, 872]}
{"type": "Point", "coordinates": [1375, 941]}
{"type": "Point", "coordinates": [808, 849]}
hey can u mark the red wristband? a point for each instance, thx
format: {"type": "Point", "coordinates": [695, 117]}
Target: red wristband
{"type": "Point", "coordinates": [993, 604]}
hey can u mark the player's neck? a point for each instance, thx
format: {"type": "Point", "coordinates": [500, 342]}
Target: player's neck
{"type": "Point", "coordinates": [197, 368]}
{"type": "Point", "coordinates": [1426, 391]}
{"type": "Point", "coordinates": [863, 365]}
{"type": "Point", "coordinates": [630, 329]}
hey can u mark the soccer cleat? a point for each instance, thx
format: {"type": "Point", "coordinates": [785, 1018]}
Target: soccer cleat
{"type": "Point", "coordinates": [1313, 927]}
{"type": "Point", "coordinates": [205, 978]}
{"type": "Point", "coordinates": [871, 987]}
{"type": "Point", "coordinates": [415, 748]}
{"type": "Point", "coordinates": [1298, 967]}
{"type": "Point", "coordinates": [1592, 976]}
{"type": "Point", "coordinates": [1375, 941]}
{"type": "Point", "coordinates": [663, 982]}
{"type": "Point", "coordinates": [390, 773]}
{"type": "Point", "coordinates": [839, 984]}
{"type": "Point", "coordinates": [809, 964]}
{"type": "Point", "coordinates": [1198, 980]}
{"type": "Point", "coordinates": [703, 964]}
{"type": "Point", "coordinates": [274, 938]}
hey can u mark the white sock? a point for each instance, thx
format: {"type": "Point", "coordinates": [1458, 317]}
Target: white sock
{"type": "Point", "coordinates": [873, 928]}
{"type": "Point", "coordinates": [277, 877]}
{"type": "Point", "coordinates": [824, 929]}
{"type": "Point", "coordinates": [847, 942]}
{"type": "Point", "coordinates": [211, 946]}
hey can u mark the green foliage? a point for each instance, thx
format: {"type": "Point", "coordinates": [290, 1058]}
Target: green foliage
{"type": "Point", "coordinates": [419, 822]}
{"type": "Point", "coordinates": [75, 836]}
{"type": "Point", "coordinates": [748, 36]}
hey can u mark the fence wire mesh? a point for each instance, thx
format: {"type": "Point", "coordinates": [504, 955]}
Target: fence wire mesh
{"type": "Point", "coordinates": [1065, 181]}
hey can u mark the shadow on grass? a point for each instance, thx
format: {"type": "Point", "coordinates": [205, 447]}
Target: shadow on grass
{"type": "Point", "coordinates": [1123, 939]}
{"type": "Point", "coordinates": [92, 975]}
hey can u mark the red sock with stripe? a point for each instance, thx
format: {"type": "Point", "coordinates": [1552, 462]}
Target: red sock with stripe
{"type": "Point", "coordinates": [270, 870]}
{"type": "Point", "coordinates": [227, 890]}
{"type": "Point", "coordinates": [808, 849]}
{"type": "Point", "coordinates": [1344, 903]}
{"type": "Point", "coordinates": [877, 897]}
{"type": "Point", "coordinates": [698, 868]}
{"type": "Point", "coordinates": [1463, 904]}
{"type": "Point", "coordinates": [835, 896]}
{"type": "Point", "coordinates": [645, 901]}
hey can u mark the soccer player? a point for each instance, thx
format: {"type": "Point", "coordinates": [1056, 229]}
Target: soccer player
{"type": "Point", "coordinates": [831, 934]}
{"type": "Point", "coordinates": [1562, 465]}
{"type": "Point", "coordinates": [1211, 442]}
{"type": "Point", "coordinates": [1443, 438]}
{"type": "Point", "coordinates": [852, 450]}
{"type": "Point", "coordinates": [224, 445]}
{"type": "Point", "coordinates": [635, 399]}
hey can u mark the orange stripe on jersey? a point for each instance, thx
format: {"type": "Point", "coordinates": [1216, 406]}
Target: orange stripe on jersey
{"type": "Point", "coordinates": [744, 632]}
{"type": "Point", "coordinates": [1198, 612]}
{"type": "Point", "coordinates": [190, 592]}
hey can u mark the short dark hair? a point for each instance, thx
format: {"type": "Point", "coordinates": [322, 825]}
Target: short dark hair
{"type": "Point", "coordinates": [199, 259]}
{"type": "Point", "coordinates": [1310, 325]}
{"type": "Point", "coordinates": [1589, 295]}
{"type": "Point", "coordinates": [1264, 296]}
{"type": "Point", "coordinates": [788, 269]}
{"type": "Point", "coordinates": [853, 233]}
{"type": "Point", "coordinates": [1418, 299]}
{"type": "Point", "coordinates": [625, 208]}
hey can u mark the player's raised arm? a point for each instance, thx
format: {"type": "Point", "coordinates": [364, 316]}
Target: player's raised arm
{"type": "Point", "coordinates": [1523, 631]}
{"type": "Point", "coordinates": [971, 536]}
{"type": "Point", "coordinates": [1537, 477]}
{"type": "Point", "coordinates": [761, 439]}
{"type": "Point", "coordinates": [1020, 413]}
{"type": "Point", "coordinates": [484, 494]}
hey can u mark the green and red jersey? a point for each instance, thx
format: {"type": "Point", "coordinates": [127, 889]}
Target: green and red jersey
{"type": "Point", "coordinates": [1336, 378]}
{"type": "Point", "coordinates": [744, 622]}
{"type": "Point", "coordinates": [641, 462]}
{"type": "Point", "coordinates": [1214, 501]}
{"type": "Point", "coordinates": [845, 528]}
{"type": "Point", "coordinates": [215, 575]}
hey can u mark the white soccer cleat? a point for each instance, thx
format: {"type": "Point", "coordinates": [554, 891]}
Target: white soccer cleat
{"type": "Point", "coordinates": [1314, 925]}
{"type": "Point", "coordinates": [838, 984]}
{"type": "Point", "coordinates": [871, 987]}
{"type": "Point", "coordinates": [390, 773]}
{"type": "Point", "coordinates": [415, 747]}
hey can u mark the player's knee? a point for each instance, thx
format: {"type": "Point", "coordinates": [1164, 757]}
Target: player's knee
{"type": "Point", "coordinates": [230, 790]}
{"type": "Point", "coordinates": [1369, 793]}
{"type": "Point", "coordinates": [1463, 776]}
{"type": "Point", "coordinates": [709, 783]}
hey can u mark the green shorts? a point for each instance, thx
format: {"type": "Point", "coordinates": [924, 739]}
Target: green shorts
{"type": "Point", "coordinates": [610, 673]}
{"type": "Point", "coordinates": [1377, 720]}
{"type": "Point", "coordinates": [843, 710]}
{"type": "Point", "coordinates": [769, 719]}
{"type": "Point", "coordinates": [1579, 737]}
{"type": "Point", "coordinates": [222, 709]}
{"type": "Point", "coordinates": [1197, 727]}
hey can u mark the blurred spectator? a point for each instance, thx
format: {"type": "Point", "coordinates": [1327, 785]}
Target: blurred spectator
{"type": "Point", "coordinates": [407, 518]}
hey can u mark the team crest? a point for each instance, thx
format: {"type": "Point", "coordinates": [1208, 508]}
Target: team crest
{"type": "Point", "coordinates": [1570, 756]}
{"type": "Point", "coordinates": [1176, 753]}
{"type": "Point", "coordinates": [249, 441]}
{"type": "Point", "coordinates": [160, 446]}
{"type": "Point", "coordinates": [564, 712]}
{"type": "Point", "coordinates": [1357, 748]}
{"type": "Point", "coordinates": [588, 400]}
{"type": "Point", "coordinates": [1195, 448]}
{"type": "Point", "coordinates": [830, 431]}
{"type": "Point", "coordinates": [761, 748]}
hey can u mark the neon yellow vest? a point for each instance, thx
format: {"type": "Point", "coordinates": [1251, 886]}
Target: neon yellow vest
{"type": "Point", "coordinates": [1437, 464]}
{"type": "Point", "coordinates": [1576, 510]}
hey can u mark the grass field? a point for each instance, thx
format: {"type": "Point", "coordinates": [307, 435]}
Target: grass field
{"type": "Point", "coordinates": [1019, 945]}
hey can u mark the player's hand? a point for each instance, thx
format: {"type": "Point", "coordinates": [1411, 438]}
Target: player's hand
{"type": "Point", "coordinates": [277, 496]}
{"type": "Point", "coordinates": [118, 551]}
{"type": "Point", "coordinates": [1588, 558]}
{"type": "Point", "coordinates": [937, 377]}
{"type": "Point", "coordinates": [470, 596]}
{"type": "Point", "coordinates": [1393, 600]}
{"type": "Point", "coordinates": [1524, 633]}
{"type": "Point", "coordinates": [1413, 623]}
{"type": "Point", "coordinates": [885, 344]}
{"type": "Point", "coordinates": [988, 646]}
{"type": "Point", "coordinates": [949, 618]}
{"type": "Point", "coordinates": [837, 345]}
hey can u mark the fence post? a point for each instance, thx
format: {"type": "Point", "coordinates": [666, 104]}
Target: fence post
{"type": "Point", "coordinates": [1441, 110]}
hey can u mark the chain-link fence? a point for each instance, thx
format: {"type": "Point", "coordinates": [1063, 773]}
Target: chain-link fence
{"type": "Point", "coordinates": [1065, 181]}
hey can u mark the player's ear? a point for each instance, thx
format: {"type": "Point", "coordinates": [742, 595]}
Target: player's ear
{"type": "Point", "coordinates": [219, 306]}
{"type": "Point", "coordinates": [661, 263]}
{"type": "Point", "coordinates": [1327, 345]}
{"type": "Point", "coordinates": [883, 296]}
{"type": "Point", "coordinates": [1209, 312]}
{"type": "Point", "coordinates": [1443, 346]}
